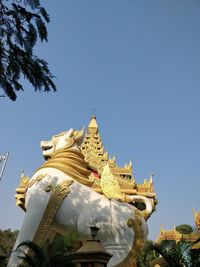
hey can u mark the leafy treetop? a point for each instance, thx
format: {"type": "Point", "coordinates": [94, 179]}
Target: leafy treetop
{"type": "Point", "coordinates": [21, 24]}
{"type": "Point", "coordinates": [184, 229]}
{"type": "Point", "coordinates": [7, 240]}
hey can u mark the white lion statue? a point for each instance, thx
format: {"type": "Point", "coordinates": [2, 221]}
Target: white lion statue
{"type": "Point", "coordinates": [59, 199]}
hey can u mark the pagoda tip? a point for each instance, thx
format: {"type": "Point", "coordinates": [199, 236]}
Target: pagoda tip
{"type": "Point", "coordinates": [94, 114]}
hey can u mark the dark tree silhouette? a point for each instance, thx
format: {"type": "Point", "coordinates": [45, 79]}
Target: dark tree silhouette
{"type": "Point", "coordinates": [50, 254]}
{"type": "Point", "coordinates": [7, 240]}
{"type": "Point", "coordinates": [21, 24]}
{"type": "Point", "coordinates": [184, 228]}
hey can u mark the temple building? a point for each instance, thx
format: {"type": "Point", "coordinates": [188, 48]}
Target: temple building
{"type": "Point", "coordinates": [123, 179]}
{"type": "Point", "coordinates": [174, 235]}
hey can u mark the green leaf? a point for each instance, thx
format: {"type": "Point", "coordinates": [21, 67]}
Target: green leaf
{"type": "Point", "coordinates": [8, 89]}
{"type": "Point", "coordinates": [44, 14]}
{"type": "Point", "coordinates": [41, 29]}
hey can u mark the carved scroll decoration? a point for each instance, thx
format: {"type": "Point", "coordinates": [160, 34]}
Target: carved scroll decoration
{"type": "Point", "coordinates": [138, 243]}
{"type": "Point", "coordinates": [58, 193]}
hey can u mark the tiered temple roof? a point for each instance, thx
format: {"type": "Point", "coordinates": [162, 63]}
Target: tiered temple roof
{"type": "Point", "coordinates": [95, 154]}
{"type": "Point", "coordinates": [174, 235]}
{"type": "Point", "coordinates": [93, 150]}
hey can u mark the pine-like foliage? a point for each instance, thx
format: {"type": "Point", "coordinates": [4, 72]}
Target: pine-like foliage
{"type": "Point", "coordinates": [51, 254]}
{"type": "Point", "coordinates": [22, 23]}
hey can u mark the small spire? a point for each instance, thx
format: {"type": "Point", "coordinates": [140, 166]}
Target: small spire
{"type": "Point", "coordinates": [130, 164]}
{"type": "Point", "coordinates": [151, 178]}
{"type": "Point", "coordinates": [161, 228]}
{"type": "Point", "coordinates": [94, 112]}
{"type": "Point", "coordinates": [93, 126]}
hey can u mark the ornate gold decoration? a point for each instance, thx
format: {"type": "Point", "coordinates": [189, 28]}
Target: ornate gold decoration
{"type": "Point", "coordinates": [147, 186]}
{"type": "Point", "coordinates": [25, 183]}
{"type": "Point", "coordinates": [197, 218]}
{"type": "Point", "coordinates": [138, 243]}
{"type": "Point", "coordinates": [21, 191]}
{"type": "Point", "coordinates": [109, 184]}
{"type": "Point", "coordinates": [69, 161]}
{"type": "Point", "coordinates": [111, 187]}
{"type": "Point", "coordinates": [145, 214]}
{"type": "Point", "coordinates": [58, 193]}
{"type": "Point", "coordinates": [36, 179]}
{"type": "Point", "coordinates": [72, 163]}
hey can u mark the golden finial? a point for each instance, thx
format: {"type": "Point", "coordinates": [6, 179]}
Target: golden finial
{"type": "Point", "coordinates": [130, 164]}
{"type": "Point", "coordinates": [93, 126]}
{"type": "Point", "coordinates": [151, 178]}
{"type": "Point", "coordinates": [94, 112]}
{"type": "Point", "coordinates": [23, 180]}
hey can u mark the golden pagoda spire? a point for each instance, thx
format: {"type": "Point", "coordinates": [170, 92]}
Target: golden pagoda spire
{"type": "Point", "coordinates": [93, 126]}
{"type": "Point", "coordinates": [92, 147]}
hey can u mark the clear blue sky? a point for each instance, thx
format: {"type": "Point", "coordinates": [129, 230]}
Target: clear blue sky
{"type": "Point", "coordinates": [138, 64]}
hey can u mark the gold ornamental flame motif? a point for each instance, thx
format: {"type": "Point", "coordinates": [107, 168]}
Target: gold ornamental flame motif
{"type": "Point", "coordinates": [109, 184]}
